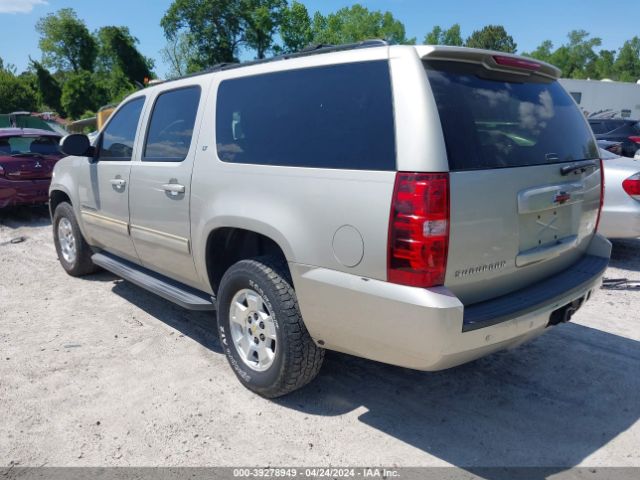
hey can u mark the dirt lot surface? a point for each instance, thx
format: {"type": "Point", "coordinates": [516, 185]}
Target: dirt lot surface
{"type": "Point", "coordinates": [98, 372]}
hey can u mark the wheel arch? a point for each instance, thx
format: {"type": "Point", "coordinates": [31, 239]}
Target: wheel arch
{"type": "Point", "coordinates": [56, 197]}
{"type": "Point", "coordinates": [227, 245]}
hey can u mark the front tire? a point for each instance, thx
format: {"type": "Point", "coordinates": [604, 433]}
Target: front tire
{"type": "Point", "coordinates": [261, 329]}
{"type": "Point", "coordinates": [73, 251]}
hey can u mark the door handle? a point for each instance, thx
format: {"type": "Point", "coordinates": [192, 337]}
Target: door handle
{"type": "Point", "coordinates": [173, 188]}
{"type": "Point", "coordinates": [118, 182]}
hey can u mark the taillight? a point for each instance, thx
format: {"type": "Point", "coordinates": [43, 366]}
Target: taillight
{"type": "Point", "coordinates": [632, 186]}
{"type": "Point", "coordinates": [635, 139]}
{"type": "Point", "coordinates": [1, 171]}
{"type": "Point", "coordinates": [419, 229]}
{"type": "Point", "coordinates": [601, 194]}
{"type": "Point", "coordinates": [516, 62]}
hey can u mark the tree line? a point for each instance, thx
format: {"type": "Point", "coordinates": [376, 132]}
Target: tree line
{"type": "Point", "coordinates": [79, 70]}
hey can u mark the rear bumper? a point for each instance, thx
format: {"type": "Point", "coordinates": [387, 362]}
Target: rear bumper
{"type": "Point", "coordinates": [23, 192]}
{"type": "Point", "coordinates": [621, 221]}
{"type": "Point", "coordinates": [424, 329]}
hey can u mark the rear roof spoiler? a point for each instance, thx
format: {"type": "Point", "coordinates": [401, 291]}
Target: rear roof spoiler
{"type": "Point", "coordinates": [491, 60]}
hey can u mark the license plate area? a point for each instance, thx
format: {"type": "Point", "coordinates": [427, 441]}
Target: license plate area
{"type": "Point", "coordinates": [549, 214]}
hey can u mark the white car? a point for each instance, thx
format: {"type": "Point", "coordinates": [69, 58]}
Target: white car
{"type": "Point", "coordinates": [621, 210]}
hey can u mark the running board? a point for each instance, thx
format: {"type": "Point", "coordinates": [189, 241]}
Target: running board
{"type": "Point", "coordinates": [169, 289]}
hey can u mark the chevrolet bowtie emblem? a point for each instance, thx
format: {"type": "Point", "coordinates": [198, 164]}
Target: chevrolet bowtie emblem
{"type": "Point", "coordinates": [561, 198]}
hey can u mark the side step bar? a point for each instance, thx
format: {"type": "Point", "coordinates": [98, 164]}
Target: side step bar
{"type": "Point", "coordinates": [169, 289]}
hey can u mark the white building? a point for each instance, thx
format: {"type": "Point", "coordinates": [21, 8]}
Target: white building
{"type": "Point", "coordinates": [594, 96]}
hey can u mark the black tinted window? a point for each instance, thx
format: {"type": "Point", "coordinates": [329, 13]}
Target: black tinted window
{"type": "Point", "coordinates": [26, 145]}
{"type": "Point", "coordinates": [491, 123]}
{"type": "Point", "coordinates": [171, 125]}
{"type": "Point", "coordinates": [120, 133]}
{"type": "Point", "coordinates": [327, 117]}
{"type": "Point", "coordinates": [612, 125]}
{"type": "Point", "coordinates": [598, 127]}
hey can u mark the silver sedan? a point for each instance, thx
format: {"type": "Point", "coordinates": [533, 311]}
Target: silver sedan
{"type": "Point", "coordinates": [621, 210]}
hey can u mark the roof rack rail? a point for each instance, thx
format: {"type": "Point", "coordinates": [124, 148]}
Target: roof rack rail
{"type": "Point", "coordinates": [311, 49]}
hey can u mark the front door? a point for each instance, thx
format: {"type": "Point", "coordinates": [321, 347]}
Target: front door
{"type": "Point", "coordinates": [160, 185]}
{"type": "Point", "coordinates": [104, 186]}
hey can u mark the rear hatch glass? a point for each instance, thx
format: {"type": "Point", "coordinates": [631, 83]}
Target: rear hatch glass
{"type": "Point", "coordinates": [516, 216]}
{"type": "Point", "coordinates": [491, 123]}
{"type": "Point", "coordinates": [29, 157]}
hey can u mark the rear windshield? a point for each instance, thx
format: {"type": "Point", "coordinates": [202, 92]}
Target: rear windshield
{"type": "Point", "coordinates": [494, 123]}
{"type": "Point", "coordinates": [20, 145]}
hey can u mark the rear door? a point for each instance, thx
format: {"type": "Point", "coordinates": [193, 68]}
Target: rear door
{"type": "Point", "coordinates": [161, 185]}
{"type": "Point", "coordinates": [521, 210]}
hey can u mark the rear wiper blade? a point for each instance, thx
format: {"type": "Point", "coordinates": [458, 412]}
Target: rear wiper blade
{"type": "Point", "coordinates": [28, 154]}
{"type": "Point", "coordinates": [578, 168]}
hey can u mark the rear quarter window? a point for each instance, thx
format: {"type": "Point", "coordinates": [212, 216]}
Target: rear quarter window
{"type": "Point", "coordinates": [489, 122]}
{"type": "Point", "coordinates": [338, 116]}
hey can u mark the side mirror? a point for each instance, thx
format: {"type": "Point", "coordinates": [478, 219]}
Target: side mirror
{"type": "Point", "coordinates": [77, 145]}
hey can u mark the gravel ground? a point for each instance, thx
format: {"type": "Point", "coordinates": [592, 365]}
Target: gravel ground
{"type": "Point", "coordinates": [97, 372]}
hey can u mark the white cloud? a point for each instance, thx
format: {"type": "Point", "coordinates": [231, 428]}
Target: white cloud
{"type": "Point", "coordinates": [20, 6]}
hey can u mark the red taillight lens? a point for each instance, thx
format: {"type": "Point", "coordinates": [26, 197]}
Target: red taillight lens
{"type": "Point", "coordinates": [601, 194]}
{"type": "Point", "coordinates": [635, 139]}
{"type": "Point", "coordinates": [632, 186]}
{"type": "Point", "coordinates": [419, 229]}
{"type": "Point", "coordinates": [516, 62]}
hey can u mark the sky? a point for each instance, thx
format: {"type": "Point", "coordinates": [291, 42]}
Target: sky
{"type": "Point", "coordinates": [528, 22]}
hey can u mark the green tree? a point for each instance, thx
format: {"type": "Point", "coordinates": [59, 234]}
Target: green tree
{"type": "Point", "coordinates": [604, 64]}
{"type": "Point", "coordinates": [180, 53]}
{"type": "Point", "coordinates": [48, 88]}
{"type": "Point", "coordinates": [627, 65]}
{"type": "Point", "coordinates": [112, 87]}
{"type": "Point", "coordinates": [357, 23]}
{"type": "Point", "coordinates": [451, 36]}
{"type": "Point", "coordinates": [65, 41]}
{"type": "Point", "coordinates": [577, 58]}
{"type": "Point", "coordinates": [295, 28]}
{"type": "Point", "coordinates": [260, 21]}
{"type": "Point", "coordinates": [214, 26]}
{"type": "Point", "coordinates": [80, 93]}
{"type": "Point", "coordinates": [492, 37]}
{"type": "Point", "coordinates": [543, 52]}
{"type": "Point", "coordinates": [434, 37]}
{"type": "Point", "coordinates": [117, 51]}
{"type": "Point", "coordinates": [16, 93]}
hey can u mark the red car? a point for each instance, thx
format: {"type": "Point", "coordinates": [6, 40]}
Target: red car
{"type": "Point", "coordinates": [27, 157]}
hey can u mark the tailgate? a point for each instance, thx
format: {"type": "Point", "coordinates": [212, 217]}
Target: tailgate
{"type": "Point", "coordinates": [513, 227]}
{"type": "Point", "coordinates": [524, 176]}
{"type": "Point", "coordinates": [28, 168]}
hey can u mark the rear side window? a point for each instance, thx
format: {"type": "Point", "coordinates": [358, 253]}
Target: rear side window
{"type": "Point", "coordinates": [340, 116]}
{"type": "Point", "coordinates": [171, 125]}
{"type": "Point", "coordinates": [120, 133]}
{"type": "Point", "coordinates": [492, 123]}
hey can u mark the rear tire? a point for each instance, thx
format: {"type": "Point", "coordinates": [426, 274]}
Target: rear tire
{"type": "Point", "coordinates": [73, 251]}
{"type": "Point", "coordinates": [261, 329]}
